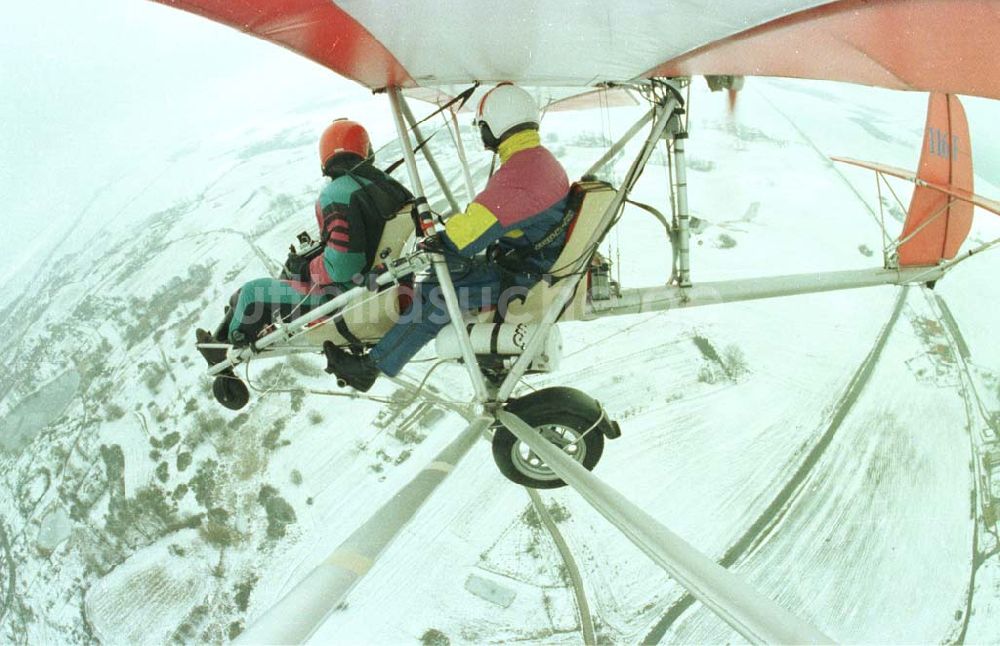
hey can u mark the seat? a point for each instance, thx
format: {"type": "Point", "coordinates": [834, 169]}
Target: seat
{"type": "Point", "coordinates": [575, 257]}
{"type": "Point", "coordinates": [398, 230]}
{"type": "Point", "coordinates": [372, 318]}
{"type": "Point", "coordinates": [375, 316]}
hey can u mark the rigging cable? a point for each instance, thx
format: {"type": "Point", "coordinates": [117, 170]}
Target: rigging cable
{"type": "Point", "coordinates": [417, 390]}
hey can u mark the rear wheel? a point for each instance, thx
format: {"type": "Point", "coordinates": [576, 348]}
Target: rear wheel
{"type": "Point", "coordinates": [565, 417]}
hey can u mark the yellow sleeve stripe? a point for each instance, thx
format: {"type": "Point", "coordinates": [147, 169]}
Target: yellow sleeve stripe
{"type": "Point", "coordinates": [465, 228]}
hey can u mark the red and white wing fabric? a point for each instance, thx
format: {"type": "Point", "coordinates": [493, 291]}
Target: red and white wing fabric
{"type": "Point", "coordinates": [320, 30]}
{"type": "Point", "coordinates": [945, 45]}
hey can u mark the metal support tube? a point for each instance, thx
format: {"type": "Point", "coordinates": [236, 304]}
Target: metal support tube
{"type": "Point", "coordinates": [569, 283]}
{"type": "Point", "coordinates": [470, 188]}
{"type": "Point", "coordinates": [944, 208]}
{"type": "Point", "coordinates": [620, 144]}
{"type": "Point", "coordinates": [683, 216]}
{"type": "Point", "coordinates": [458, 322]}
{"type": "Point", "coordinates": [440, 265]}
{"type": "Point", "coordinates": [658, 299]}
{"type": "Point", "coordinates": [287, 331]}
{"type": "Point", "coordinates": [306, 607]}
{"type": "Point", "coordinates": [933, 273]}
{"type": "Point", "coordinates": [888, 257]}
{"type": "Point", "coordinates": [429, 156]}
{"type": "Point", "coordinates": [395, 101]}
{"type": "Point", "coordinates": [749, 612]}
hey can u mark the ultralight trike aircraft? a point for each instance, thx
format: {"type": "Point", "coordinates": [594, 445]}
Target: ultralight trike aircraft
{"type": "Point", "coordinates": [498, 353]}
{"type": "Point", "coordinates": [651, 50]}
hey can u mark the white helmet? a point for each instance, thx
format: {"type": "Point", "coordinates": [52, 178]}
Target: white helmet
{"type": "Point", "coordinates": [502, 109]}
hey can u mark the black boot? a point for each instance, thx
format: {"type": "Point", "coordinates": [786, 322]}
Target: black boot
{"type": "Point", "coordinates": [358, 372]}
{"type": "Point", "coordinates": [212, 355]}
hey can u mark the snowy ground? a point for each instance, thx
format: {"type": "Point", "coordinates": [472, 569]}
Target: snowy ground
{"type": "Point", "coordinates": [829, 455]}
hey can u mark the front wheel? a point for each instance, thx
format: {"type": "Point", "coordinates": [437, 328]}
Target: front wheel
{"type": "Point", "coordinates": [230, 391]}
{"type": "Point", "coordinates": [565, 417]}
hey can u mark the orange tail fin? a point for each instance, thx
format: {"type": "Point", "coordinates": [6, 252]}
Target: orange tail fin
{"type": "Point", "coordinates": [936, 223]}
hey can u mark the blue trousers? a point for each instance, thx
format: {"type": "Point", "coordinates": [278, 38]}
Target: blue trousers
{"type": "Point", "coordinates": [478, 283]}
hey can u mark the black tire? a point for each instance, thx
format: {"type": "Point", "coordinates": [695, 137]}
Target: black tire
{"type": "Point", "coordinates": [564, 414]}
{"type": "Point", "coordinates": [230, 391]}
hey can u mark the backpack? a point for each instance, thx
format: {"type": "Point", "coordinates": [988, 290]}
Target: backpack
{"type": "Point", "coordinates": [370, 207]}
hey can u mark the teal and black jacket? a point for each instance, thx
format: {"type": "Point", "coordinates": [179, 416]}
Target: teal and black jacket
{"type": "Point", "coordinates": [351, 212]}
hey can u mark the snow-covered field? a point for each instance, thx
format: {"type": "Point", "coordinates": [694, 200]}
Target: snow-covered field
{"type": "Point", "coordinates": [828, 447]}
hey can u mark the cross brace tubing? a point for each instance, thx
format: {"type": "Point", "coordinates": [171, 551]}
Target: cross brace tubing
{"type": "Point", "coordinates": [658, 299]}
{"type": "Point", "coordinates": [287, 331]}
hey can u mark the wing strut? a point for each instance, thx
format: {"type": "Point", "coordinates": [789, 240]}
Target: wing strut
{"type": "Point", "coordinates": [750, 613]}
{"type": "Point", "coordinates": [437, 260]}
{"type": "Point", "coordinates": [304, 609]}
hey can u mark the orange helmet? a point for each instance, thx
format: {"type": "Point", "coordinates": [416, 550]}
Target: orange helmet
{"type": "Point", "coordinates": [343, 136]}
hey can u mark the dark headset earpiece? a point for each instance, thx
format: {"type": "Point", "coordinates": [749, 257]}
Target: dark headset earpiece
{"type": "Point", "coordinates": [490, 142]}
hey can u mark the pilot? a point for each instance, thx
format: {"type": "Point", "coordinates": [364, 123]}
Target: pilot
{"type": "Point", "coordinates": [520, 209]}
{"type": "Point", "coordinates": [351, 211]}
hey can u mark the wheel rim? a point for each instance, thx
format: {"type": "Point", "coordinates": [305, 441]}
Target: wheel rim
{"type": "Point", "coordinates": [568, 439]}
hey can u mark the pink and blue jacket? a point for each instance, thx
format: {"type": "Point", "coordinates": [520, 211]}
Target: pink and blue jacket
{"type": "Point", "coordinates": [522, 202]}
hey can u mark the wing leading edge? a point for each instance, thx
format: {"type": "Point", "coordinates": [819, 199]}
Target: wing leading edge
{"type": "Point", "coordinates": [949, 46]}
{"type": "Point", "coordinates": [316, 29]}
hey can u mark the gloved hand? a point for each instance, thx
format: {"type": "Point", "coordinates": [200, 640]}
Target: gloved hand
{"type": "Point", "coordinates": [432, 244]}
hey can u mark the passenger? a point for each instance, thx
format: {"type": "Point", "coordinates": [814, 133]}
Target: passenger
{"type": "Point", "coordinates": [351, 212]}
{"type": "Point", "coordinates": [519, 216]}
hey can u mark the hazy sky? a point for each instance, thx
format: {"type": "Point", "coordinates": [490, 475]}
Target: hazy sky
{"type": "Point", "coordinates": [88, 90]}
